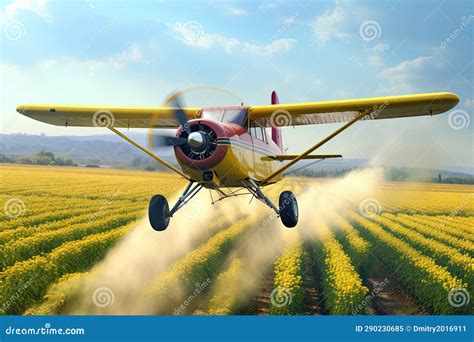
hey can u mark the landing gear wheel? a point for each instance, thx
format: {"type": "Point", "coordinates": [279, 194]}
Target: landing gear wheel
{"type": "Point", "coordinates": [159, 213]}
{"type": "Point", "coordinates": [288, 209]}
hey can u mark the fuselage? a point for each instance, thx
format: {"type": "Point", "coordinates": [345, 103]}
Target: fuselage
{"type": "Point", "coordinates": [238, 149]}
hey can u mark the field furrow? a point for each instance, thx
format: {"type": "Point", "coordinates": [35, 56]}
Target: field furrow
{"type": "Point", "coordinates": [429, 282]}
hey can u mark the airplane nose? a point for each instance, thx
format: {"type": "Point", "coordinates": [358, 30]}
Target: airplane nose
{"type": "Point", "coordinates": [196, 140]}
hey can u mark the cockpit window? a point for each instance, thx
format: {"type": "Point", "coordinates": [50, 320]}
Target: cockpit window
{"type": "Point", "coordinates": [213, 114]}
{"type": "Point", "coordinates": [235, 116]}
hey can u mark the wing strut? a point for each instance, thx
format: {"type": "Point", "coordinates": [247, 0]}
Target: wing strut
{"type": "Point", "coordinates": [319, 144]}
{"type": "Point", "coordinates": [151, 154]}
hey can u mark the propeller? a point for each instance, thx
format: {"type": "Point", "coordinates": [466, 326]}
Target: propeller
{"type": "Point", "coordinates": [197, 142]}
{"type": "Point", "coordinates": [165, 139]}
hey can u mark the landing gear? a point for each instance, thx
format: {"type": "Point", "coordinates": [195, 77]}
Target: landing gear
{"type": "Point", "coordinates": [288, 206]}
{"type": "Point", "coordinates": [159, 213]}
{"type": "Point", "coordinates": [288, 209]}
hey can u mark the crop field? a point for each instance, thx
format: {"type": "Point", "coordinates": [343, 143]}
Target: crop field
{"type": "Point", "coordinates": [77, 241]}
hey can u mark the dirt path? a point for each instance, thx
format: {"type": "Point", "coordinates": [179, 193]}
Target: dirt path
{"type": "Point", "coordinates": [389, 297]}
{"type": "Point", "coordinates": [313, 301]}
{"type": "Point", "coordinates": [260, 303]}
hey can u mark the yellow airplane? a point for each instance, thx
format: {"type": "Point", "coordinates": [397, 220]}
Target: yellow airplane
{"type": "Point", "coordinates": [229, 149]}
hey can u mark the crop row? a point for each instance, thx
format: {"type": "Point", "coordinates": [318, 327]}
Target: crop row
{"type": "Point", "coordinates": [428, 282]}
{"type": "Point", "coordinates": [459, 244]}
{"type": "Point", "coordinates": [191, 275]}
{"type": "Point", "coordinates": [342, 286]}
{"type": "Point", "coordinates": [63, 291]}
{"type": "Point", "coordinates": [26, 248]}
{"type": "Point", "coordinates": [26, 282]}
{"type": "Point", "coordinates": [457, 263]}
{"type": "Point", "coordinates": [89, 215]}
{"type": "Point", "coordinates": [356, 247]}
{"type": "Point", "coordinates": [288, 293]}
{"type": "Point", "coordinates": [445, 223]}
{"type": "Point", "coordinates": [225, 299]}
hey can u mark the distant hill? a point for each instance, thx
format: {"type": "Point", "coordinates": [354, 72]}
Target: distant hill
{"type": "Point", "coordinates": [108, 150]}
{"type": "Point", "coordinates": [105, 150]}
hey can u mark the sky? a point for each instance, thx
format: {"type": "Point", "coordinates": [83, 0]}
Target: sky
{"type": "Point", "coordinates": [135, 53]}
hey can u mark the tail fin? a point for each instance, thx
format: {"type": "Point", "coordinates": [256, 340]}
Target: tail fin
{"type": "Point", "coordinates": [276, 131]}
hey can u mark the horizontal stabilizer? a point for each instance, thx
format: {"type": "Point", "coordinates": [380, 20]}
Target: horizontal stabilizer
{"type": "Point", "coordinates": [282, 157]}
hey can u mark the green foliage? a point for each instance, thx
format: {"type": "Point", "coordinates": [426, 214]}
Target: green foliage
{"type": "Point", "coordinates": [429, 282]}
{"type": "Point", "coordinates": [40, 158]}
{"type": "Point", "coordinates": [343, 291]}
{"type": "Point", "coordinates": [62, 292]}
{"type": "Point", "coordinates": [225, 300]}
{"type": "Point", "coordinates": [176, 289]}
{"type": "Point", "coordinates": [25, 283]}
{"type": "Point", "coordinates": [288, 294]}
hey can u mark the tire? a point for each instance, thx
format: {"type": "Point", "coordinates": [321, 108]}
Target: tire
{"type": "Point", "coordinates": [288, 209]}
{"type": "Point", "coordinates": [159, 213]}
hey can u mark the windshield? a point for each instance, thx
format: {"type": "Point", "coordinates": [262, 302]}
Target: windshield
{"type": "Point", "coordinates": [236, 116]}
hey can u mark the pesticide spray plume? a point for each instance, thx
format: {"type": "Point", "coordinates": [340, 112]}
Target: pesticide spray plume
{"type": "Point", "coordinates": [317, 202]}
{"type": "Point", "coordinates": [322, 199]}
{"type": "Point", "coordinates": [142, 255]}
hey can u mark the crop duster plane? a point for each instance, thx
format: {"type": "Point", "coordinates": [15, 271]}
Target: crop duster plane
{"type": "Point", "coordinates": [236, 150]}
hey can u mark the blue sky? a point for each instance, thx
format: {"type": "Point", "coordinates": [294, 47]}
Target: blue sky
{"type": "Point", "coordinates": [134, 53]}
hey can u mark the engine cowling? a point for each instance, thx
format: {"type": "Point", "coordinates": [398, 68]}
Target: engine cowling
{"type": "Point", "coordinates": [207, 144]}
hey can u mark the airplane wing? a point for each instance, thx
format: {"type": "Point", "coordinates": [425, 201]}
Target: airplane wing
{"type": "Point", "coordinates": [95, 116]}
{"type": "Point", "coordinates": [313, 113]}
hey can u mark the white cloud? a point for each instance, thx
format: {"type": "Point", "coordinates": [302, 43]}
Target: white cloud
{"type": "Point", "coordinates": [317, 83]}
{"type": "Point", "coordinates": [232, 10]}
{"type": "Point", "coordinates": [380, 47]}
{"type": "Point", "coordinates": [402, 77]}
{"type": "Point", "coordinates": [35, 6]}
{"type": "Point", "coordinates": [375, 58]}
{"type": "Point", "coordinates": [269, 5]}
{"type": "Point", "coordinates": [47, 64]}
{"type": "Point", "coordinates": [469, 104]}
{"type": "Point", "coordinates": [374, 61]}
{"type": "Point", "coordinates": [192, 34]}
{"type": "Point", "coordinates": [132, 54]}
{"type": "Point", "coordinates": [330, 25]}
